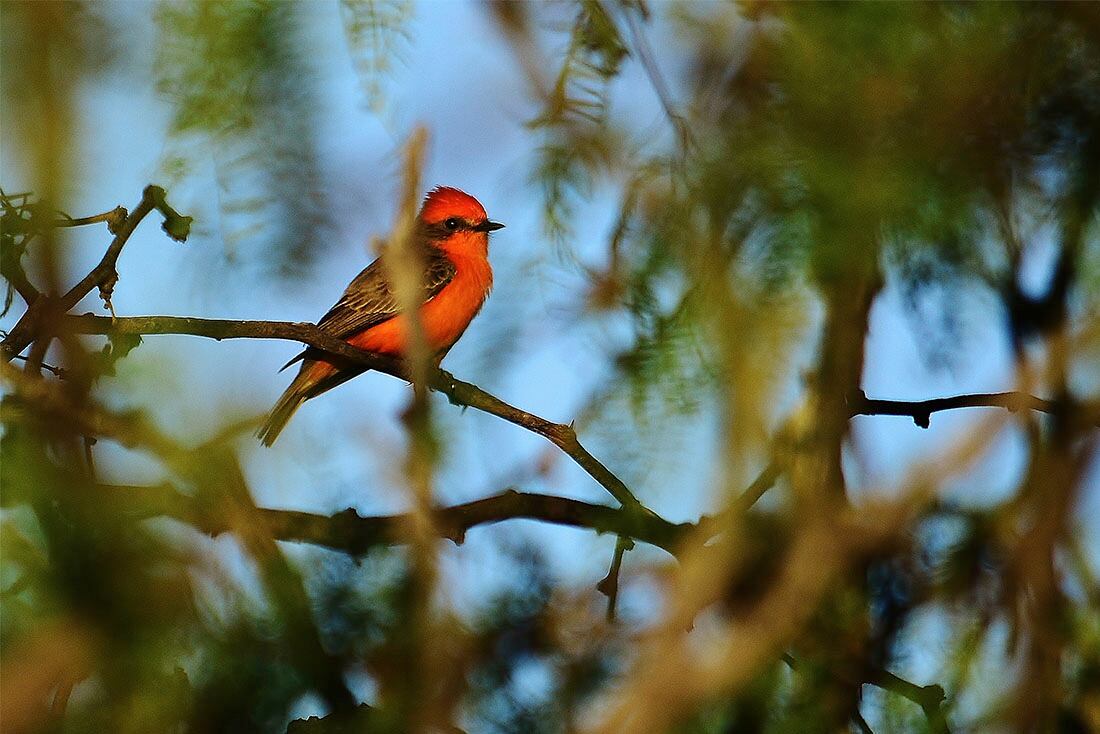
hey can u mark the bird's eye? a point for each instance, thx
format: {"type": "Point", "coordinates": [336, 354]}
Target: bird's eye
{"type": "Point", "coordinates": [451, 224]}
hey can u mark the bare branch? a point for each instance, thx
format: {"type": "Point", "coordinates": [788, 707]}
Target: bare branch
{"type": "Point", "coordinates": [348, 532]}
{"type": "Point", "coordinates": [930, 698]}
{"type": "Point", "coordinates": [921, 411]}
{"type": "Point", "coordinates": [459, 392]}
{"type": "Point", "coordinates": [104, 275]}
{"type": "Point", "coordinates": [114, 219]}
{"type": "Point", "coordinates": [609, 585]}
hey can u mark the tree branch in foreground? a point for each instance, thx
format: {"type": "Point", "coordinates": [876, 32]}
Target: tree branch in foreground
{"type": "Point", "coordinates": [459, 392]}
{"type": "Point", "coordinates": [348, 532]}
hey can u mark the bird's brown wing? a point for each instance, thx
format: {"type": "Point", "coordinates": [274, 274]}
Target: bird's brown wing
{"type": "Point", "coordinates": [370, 299]}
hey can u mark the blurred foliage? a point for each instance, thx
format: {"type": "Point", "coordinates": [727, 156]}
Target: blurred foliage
{"type": "Point", "coordinates": [242, 79]}
{"type": "Point", "coordinates": [377, 33]}
{"type": "Point", "coordinates": [804, 157]}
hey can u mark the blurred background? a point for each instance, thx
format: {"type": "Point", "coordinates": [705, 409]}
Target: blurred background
{"type": "Point", "coordinates": [723, 221]}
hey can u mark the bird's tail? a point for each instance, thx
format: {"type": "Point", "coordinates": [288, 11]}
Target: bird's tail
{"type": "Point", "coordinates": [314, 378]}
{"type": "Point", "coordinates": [277, 419]}
{"type": "Point", "coordinates": [305, 385]}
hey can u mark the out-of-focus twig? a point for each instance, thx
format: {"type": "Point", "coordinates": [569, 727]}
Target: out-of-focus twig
{"type": "Point", "coordinates": [12, 271]}
{"type": "Point", "coordinates": [764, 481]}
{"type": "Point", "coordinates": [649, 64]}
{"type": "Point", "coordinates": [351, 533]}
{"type": "Point", "coordinates": [651, 700]}
{"type": "Point", "coordinates": [60, 372]}
{"type": "Point", "coordinates": [222, 474]}
{"type": "Point", "coordinates": [930, 697]}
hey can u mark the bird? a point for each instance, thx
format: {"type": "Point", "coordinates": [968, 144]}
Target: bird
{"type": "Point", "coordinates": [452, 236]}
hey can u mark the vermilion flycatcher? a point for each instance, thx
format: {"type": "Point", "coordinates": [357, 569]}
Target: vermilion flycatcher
{"type": "Point", "coordinates": [453, 236]}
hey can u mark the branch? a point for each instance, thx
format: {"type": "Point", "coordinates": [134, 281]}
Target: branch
{"type": "Point", "coordinates": [104, 275]}
{"type": "Point", "coordinates": [609, 585]}
{"type": "Point", "coordinates": [921, 411]}
{"type": "Point", "coordinates": [348, 532]}
{"type": "Point", "coordinates": [114, 219]}
{"type": "Point", "coordinates": [12, 271]}
{"type": "Point", "coordinates": [930, 698]}
{"type": "Point", "coordinates": [459, 392]}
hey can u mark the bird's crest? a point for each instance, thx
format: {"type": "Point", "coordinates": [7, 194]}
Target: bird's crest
{"type": "Point", "coordinates": [443, 202]}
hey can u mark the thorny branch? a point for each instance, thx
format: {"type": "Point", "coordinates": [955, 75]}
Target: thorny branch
{"type": "Point", "coordinates": [609, 585]}
{"type": "Point", "coordinates": [459, 392]}
{"type": "Point", "coordinates": [104, 275]}
{"type": "Point", "coordinates": [921, 410]}
{"type": "Point", "coordinates": [351, 533]}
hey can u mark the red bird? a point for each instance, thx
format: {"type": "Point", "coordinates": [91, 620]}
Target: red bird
{"type": "Point", "coordinates": [453, 234]}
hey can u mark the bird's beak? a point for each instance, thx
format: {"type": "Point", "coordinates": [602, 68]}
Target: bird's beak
{"type": "Point", "coordinates": [487, 226]}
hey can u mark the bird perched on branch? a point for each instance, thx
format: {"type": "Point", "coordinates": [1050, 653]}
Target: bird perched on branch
{"type": "Point", "coordinates": [452, 241]}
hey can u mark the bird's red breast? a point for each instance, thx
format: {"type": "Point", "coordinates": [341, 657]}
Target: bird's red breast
{"type": "Point", "coordinates": [444, 317]}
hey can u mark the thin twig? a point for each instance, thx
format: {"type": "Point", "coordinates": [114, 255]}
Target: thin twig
{"type": "Point", "coordinates": [49, 368]}
{"type": "Point", "coordinates": [609, 585]}
{"type": "Point", "coordinates": [763, 482]}
{"type": "Point", "coordinates": [657, 81]}
{"type": "Point", "coordinates": [114, 219]}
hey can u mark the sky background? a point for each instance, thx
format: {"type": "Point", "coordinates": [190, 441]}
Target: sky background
{"type": "Point", "coordinates": [533, 345]}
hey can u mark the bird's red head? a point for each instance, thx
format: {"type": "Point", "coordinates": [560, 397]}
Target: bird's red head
{"type": "Point", "coordinates": [454, 219]}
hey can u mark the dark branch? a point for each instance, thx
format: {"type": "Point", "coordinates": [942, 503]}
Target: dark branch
{"type": "Point", "coordinates": [464, 393]}
{"type": "Point", "coordinates": [609, 584]}
{"type": "Point", "coordinates": [12, 271]}
{"type": "Point", "coordinates": [348, 532]}
{"type": "Point", "coordinates": [114, 219]}
{"type": "Point", "coordinates": [921, 411]}
{"type": "Point", "coordinates": [930, 698]}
